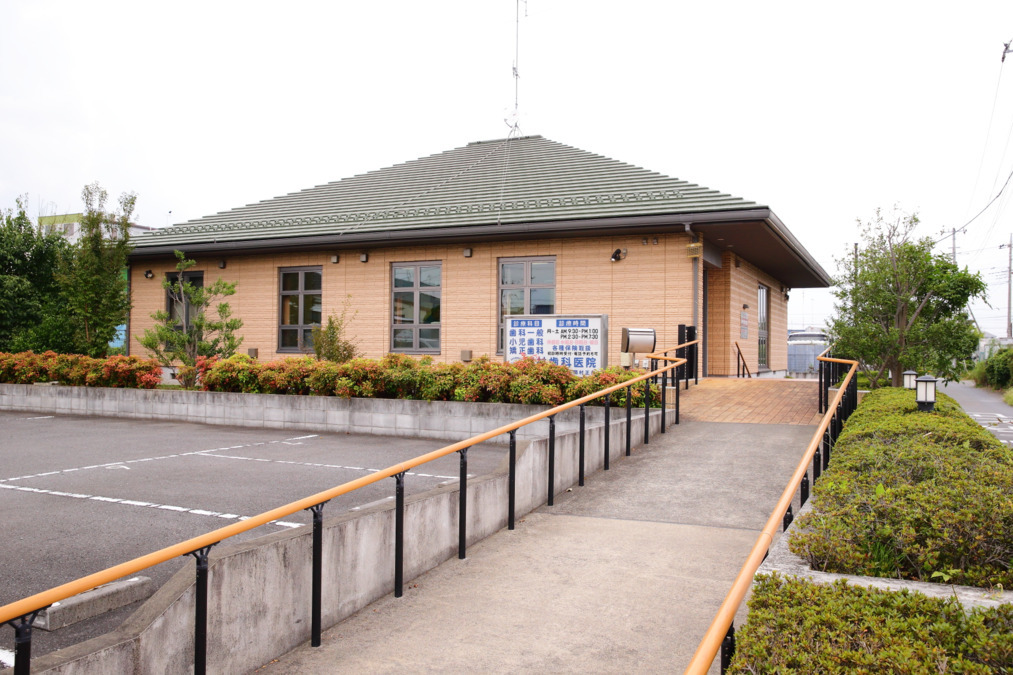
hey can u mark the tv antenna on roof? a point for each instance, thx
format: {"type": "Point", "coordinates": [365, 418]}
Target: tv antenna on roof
{"type": "Point", "coordinates": [1006, 50]}
{"type": "Point", "coordinates": [513, 120]}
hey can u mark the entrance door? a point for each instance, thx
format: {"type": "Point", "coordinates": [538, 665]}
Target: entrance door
{"type": "Point", "coordinates": [762, 326]}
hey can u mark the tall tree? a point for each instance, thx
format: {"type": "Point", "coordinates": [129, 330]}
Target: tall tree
{"type": "Point", "coordinates": [28, 262]}
{"type": "Point", "coordinates": [92, 278]}
{"type": "Point", "coordinates": [188, 330]}
{"type": "Point", "coordinates": [901, 306]}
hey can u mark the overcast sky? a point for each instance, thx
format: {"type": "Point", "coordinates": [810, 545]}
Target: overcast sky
{"type": "Point", "coordinates": [822, 111]}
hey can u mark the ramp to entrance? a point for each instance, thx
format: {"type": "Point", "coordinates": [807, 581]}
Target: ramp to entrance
{"type": "Point", "coordinates": [751, 401]}
{"type": "Point", "coordinates": [621, 575]}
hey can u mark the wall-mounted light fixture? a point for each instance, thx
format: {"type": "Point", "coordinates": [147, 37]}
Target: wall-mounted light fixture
{"type": "Point", "coordinates": [335, 259]}
{"type": "Point", "coordinates": [909, 379]}
{"type": "Point", "coordinates": [745, 306]}
{"type": "Point", "coordinates": [618, 254]}
{"type": "Point", "coordinates": [221, 264]}
{"type": "Point", "coordinates": [467, 253]}
{"type": "Point", "coordinates": [925, 393]}
{"type": "Point", "coordinates": [655, 241]}
{"type": "Point", "coordinates": [363, 257]}
{"type": "Point", "coordinates": [148, 274]}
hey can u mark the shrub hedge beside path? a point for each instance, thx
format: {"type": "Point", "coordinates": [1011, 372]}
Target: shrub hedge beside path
{"type": "Point", "coordinates": [528, 381]}
{"type": "Point", "coordinates": [79, 370]}
{"type": "Point", "coordinates": [910, 495]}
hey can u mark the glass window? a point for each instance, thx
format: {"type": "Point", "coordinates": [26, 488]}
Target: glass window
{"type": "Point", "coordinates": [415, 308]}
{"type": "Point", "coordinates": [301, 308]}
{"type": "Point", "coordinates": [526, 286]}
{"type": "Point", "coordinates": [176, 304]}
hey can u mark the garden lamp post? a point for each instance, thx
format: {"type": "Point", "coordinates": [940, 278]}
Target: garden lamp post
{"type": "Point", "coordinates": [925, 393]}
{"type": "Point", "coordinates": [909, 379]}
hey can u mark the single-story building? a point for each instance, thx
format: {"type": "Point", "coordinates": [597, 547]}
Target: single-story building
{"type": "Point", "coordinates": [434, 254]}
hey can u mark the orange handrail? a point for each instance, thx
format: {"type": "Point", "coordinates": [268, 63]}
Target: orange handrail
{"type": "Point", "coordinates": [32, 603]}
{"type": "Point", "coordinates": [722, 621]}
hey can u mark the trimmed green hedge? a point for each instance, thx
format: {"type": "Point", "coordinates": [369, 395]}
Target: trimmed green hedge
{"type": "Point", "coordinates": [912, 495]}
{"type": "Point", "coordinates": [79, 370]}
{"type": "Point", "coordinates": [528, 381]}
{"type": "Point", "coordinates": [798, 626]}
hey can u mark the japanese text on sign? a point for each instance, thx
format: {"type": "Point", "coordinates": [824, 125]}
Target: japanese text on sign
{"type": "Point", "coordinates": [577, 342]}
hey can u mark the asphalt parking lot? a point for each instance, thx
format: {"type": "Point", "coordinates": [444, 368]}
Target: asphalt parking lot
{"type": "Point", "coordinates": [80, 494]}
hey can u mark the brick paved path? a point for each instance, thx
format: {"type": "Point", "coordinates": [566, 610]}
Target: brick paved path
{"type": "Point", "coordinates": [751, 401]}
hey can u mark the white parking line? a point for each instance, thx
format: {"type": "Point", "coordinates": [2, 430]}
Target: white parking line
{"type": "Point", "coordinates": [134, 502]}
{"type": "Point", "coordinates": [325, 466]}
{"type": "Point", "coordinates": [146, 459]}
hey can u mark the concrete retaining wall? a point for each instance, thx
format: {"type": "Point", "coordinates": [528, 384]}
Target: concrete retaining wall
{"type": "Point", "coordinates": [259, 591]}
{"type": "Point", "coordinates": [443, 420]}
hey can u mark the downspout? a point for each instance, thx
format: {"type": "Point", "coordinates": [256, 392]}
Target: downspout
{"type": "Point", "coordinates": [696, 279]}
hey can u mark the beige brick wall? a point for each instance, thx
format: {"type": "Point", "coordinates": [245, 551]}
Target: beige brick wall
{"type": "Point", "coordinates": [651, 287]}
{"type": "Point", "coordinates": [729, 288]}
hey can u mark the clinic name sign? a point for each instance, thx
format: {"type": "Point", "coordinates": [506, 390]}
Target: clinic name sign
{"type": "Point", "coordinates": [579, 342]}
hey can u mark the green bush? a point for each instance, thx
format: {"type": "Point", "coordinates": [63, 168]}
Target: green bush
{"type": "Point", "coordinates": [912, 495]}
{"type": "Point", "coordinates": [79, 370]}
{"type": "Point", "coordinates": [997, 369]}
{"type": "Point", "coordinates": [528, 381]}
{"type": "Point", "coordinates": [978, 373]}
{"type": "Point", "coordinates": [798, 626]}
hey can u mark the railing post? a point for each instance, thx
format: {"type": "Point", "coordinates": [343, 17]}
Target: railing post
{"type": "Point", "coordinates": [817, 464]}
{"type": "Point", "coordinates": [580, 459]}
{"type": "Point", "coordinates": [512, 497]}
{"type": "Point", "coordinates": [804, 490]}
{"type": "Point", "coordinates": [820, 387]}
{"type": "Point", "coordinates": [786, 521]}
{"type": "Point", "coordinates": [317, 575]}
{"type": "Point", "coordinates": [676, 395]}
{"type": "Point", "coordinates": [23, 642]}
{"type": "Point", "coordinates": [200, 622]}
{"type": "Point", "coordinates": [608, 429]}
{"type": "Point", "coordinates": [462, 507]}
{"type": "Point", "coordinates": [552, 459]}
{"type": "Point", "coordinates": [647, 414]}
{"type": "Point", "coordinates": [629, 417]}
{"type": "Point", "coordinates": [694, 352]}
{"type": "Point", "coordinates": [399, 535]}
{"type": "Point", "coordinates": [654, 368]}
{"type": "Point", "coordinates": [826, 447]}
{"type": "Point", "coordinates": [664, 386]}
{"type": "Point", "coordinates": [728, 648]}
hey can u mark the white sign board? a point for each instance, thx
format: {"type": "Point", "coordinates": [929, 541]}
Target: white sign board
{"type": "Point", "coordinates": [577, 341]}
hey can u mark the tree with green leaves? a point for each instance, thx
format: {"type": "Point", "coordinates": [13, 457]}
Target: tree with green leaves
{"type": "Point", "coordinates": [188, 330]}
{"type": "Point", "coordinates": [902, 307]}
{"type": "Point", "coordinates": [91, 276]}
{"type": "Point", "coordinates": [28, 288]}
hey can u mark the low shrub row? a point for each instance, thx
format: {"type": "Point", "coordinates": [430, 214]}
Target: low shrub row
{"type": "Point", "coordinates": [79, 370]}
{"type": "Point", "coordinates": [913, 495]}
{"type": "Point", "coordinates": [867, 631]}
{"type": "Point", "coordinates": [528, 381]}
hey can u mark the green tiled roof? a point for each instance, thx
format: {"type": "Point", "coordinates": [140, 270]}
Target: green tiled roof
{"type": "Point", "coordinates": [521, 180]}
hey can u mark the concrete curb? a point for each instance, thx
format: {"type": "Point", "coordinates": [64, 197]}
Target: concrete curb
{"type": "Point", "coordinates": [781, 560]}
{"type": "Point", "coordinates": [94, 602]}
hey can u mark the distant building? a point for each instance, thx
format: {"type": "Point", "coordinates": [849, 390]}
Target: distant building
{"type": "Point", "coordinates": [69, 225]}
{"type": "Point", "coordinates": [438, 252]}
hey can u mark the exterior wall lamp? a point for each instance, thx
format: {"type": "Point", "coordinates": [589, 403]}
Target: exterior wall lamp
{"type": "Point", "coordinates": [909, 379]}
{"type": "Point", "coordinates": [618, 254]}
{"type": "Point", "coordinates": [221, 264]}
{"type": "Point", "coordinates": [148, 274]}
{"type": "Point", "coordinates": [363, 257]}
{"type": "Point", "coordinates": [925, 393]}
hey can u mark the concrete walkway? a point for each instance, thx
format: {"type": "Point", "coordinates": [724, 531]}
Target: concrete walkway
{"type": "Point", "coordinates": [622, 575]}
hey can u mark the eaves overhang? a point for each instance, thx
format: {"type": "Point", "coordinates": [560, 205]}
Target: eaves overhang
{"type": "Point", "coordinates": [755, 234]}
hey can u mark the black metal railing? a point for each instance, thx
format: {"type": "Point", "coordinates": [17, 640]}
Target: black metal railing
{"type": "Point", "coordinates": [720, 637]}
{"type": "Point", "coordinates": [22, 613]}
{"type": "Point", "coordinates": [741, 367]}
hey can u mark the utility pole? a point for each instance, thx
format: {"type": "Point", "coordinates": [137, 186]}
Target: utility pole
{"type": "Point", "coordinates": [1009, 287]}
